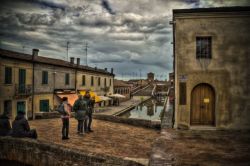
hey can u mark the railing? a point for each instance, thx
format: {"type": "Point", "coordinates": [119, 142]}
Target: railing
{"type": "Point", "coordinates": [23, 89]}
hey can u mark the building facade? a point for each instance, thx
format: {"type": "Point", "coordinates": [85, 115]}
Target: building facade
{"type": "Point", "coordinates": [37, 84]}
{"type": "Point", "coordinates": [122, 88]}
{"type": "Point", "coordinates": [211, 67]}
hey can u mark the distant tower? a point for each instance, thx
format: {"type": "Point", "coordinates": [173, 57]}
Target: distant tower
{"type": "Point", "coordinates": [151, 77]}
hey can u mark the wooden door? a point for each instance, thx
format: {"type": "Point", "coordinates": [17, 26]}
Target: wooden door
{"type": "Point", "coordinates": [203, 105]}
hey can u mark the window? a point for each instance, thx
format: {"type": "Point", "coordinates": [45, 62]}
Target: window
{"type": "Point", "coordinates": [203, 47]}
{"type": "Point", "coordinates": [22, 81]}
{"type": "Point", "coordinates": [8, 75]}
{"type": "Point", "coordinates": [99, 81]}
{"type": "Point", "coordinates": [105, 82]}
{"type": "Point", "coordinates": [92, 81]}
{"type": "Point", "coordinates": [45, 77]}
{"type": "Point", "coordinates": [83, 80]}
{"type": "Point", "coordinates": [44, 105]}
{"type": "Point", "coordinates": [8, 107]}
{"type": "Point", "coordinates": [182, 93]}
{"type": "Point", "coordinates": [110, 82]}
{"type": "Point", "coordinates": [66, 78]}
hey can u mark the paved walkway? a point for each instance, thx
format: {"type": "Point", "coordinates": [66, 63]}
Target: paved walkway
{"type": "Point", "coordinates": [108, 138]}
{"type": "Point", "coordinates": [199, 147]}
{"type": "Point", "coordinates": [114, 109]}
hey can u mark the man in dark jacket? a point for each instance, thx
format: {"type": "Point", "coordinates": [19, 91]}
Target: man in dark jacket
{"type": "Point", "coordinates": [81, 108]}
{"type": "Point", "coordinates": [90, 112]}
{"type": "Point", "coordinates": [21, 128]}
{"type": "Point", "coordinates": [4, 125]}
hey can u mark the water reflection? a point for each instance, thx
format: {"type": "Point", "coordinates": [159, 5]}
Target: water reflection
{"type": "Point", "coordinates": [149, 110]}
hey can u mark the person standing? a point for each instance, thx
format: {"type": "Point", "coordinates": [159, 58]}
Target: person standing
{"type": "Point", "coordinates": [4, 124]}
{"type": "Point", "coordinates": [81, 107]}
{"type": "Point", "coordinates": [65, 118]}
{"type": "Point", "coordinates": [90, 112]}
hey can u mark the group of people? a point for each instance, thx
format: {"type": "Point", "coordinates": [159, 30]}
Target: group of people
{"type": "Point", "coordinates": [20, 126]}
{"type": "Point", "coordinates": [83, 108]}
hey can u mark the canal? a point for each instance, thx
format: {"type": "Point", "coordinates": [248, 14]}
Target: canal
{"type": "Point", "coordinates": [149, 110]}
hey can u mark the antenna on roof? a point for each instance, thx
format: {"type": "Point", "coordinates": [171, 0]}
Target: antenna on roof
{"type": "Point", "coordinates": [67, 50]}
{"type": "Point", "coordinates": [86, 52]}
{"type": "Point", "coordinates": [23, 48]}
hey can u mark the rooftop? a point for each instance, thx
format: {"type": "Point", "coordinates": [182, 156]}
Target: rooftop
{"type": "Point", "coordinates": [217, 9]}
{"type": "Point", "coordinates": [49, 61]}
{"type": "Point", "coordinates": [120, 83]}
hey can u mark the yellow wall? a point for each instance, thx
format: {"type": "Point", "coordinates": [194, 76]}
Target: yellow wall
{"type": "Point", "coordinates": [96, 88]}
{"type": "Point", "coordinates": [39, 97]}
{"type": "Point", "coordinates": [7, 92]}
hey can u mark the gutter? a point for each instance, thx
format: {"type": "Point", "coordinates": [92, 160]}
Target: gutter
{"type": "Point", "coordinates": [33, 86]}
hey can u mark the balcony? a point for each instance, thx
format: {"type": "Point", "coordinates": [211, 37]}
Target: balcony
{"type": "Point", "coordinates": [23, 90]}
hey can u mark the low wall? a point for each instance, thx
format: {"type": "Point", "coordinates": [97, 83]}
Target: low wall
{"type": "Point", "coordinates": [37, 153]}
{"type": "Point", "coordinates": [47, 115]}
{"type": "Point", "coordinates": [130, 121]}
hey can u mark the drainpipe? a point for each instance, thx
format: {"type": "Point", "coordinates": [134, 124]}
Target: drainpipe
{"type": "Point", "coordinates": [174, 26]}
{"type": "Point", "coordinates": [54, 79]}
{"type": "Point", "coordinates": [76, 80]}
{"type": "Point", "coordinates": [34, 53]}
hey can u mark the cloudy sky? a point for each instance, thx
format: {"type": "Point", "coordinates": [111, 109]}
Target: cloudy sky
{"type": "Point", "coordinates": [128, 35]}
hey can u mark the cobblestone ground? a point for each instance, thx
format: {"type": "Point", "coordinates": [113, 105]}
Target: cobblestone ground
{"type": "Point", "coordinates": [203, 148]}
{"type": "Point", "coordinates": [108, 138]}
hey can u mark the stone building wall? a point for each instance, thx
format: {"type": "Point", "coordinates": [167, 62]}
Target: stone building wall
{"type": "Point", "coordinates": [228, 71]}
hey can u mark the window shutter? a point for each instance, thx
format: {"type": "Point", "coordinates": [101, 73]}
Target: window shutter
{"type": "Point", "coordinates": [182, 93]}
{"type": "Point", "coordinates": [8, 75]}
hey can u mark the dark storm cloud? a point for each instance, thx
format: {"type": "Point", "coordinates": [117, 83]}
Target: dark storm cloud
{"type": "Point", "coordinates": [106, 5]}
{"type": "Point", "coordinates": [127, 35]}
{"type": "Point", "coordinates": [35, 19]}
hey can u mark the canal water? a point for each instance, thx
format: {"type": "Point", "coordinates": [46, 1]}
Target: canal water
{"type": "Point", "coordinates": [149, 110]}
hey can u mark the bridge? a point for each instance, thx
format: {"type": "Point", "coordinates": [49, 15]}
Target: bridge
{"type": "Point", "coordinates": [151, 89]}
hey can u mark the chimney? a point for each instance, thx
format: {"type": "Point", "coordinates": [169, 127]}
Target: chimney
{"type": "Point", "coordinates": [35, 52]}
{"type": "Point", "coordinates": [105, 69]}
{"type": "Point", "coordinates": [78, 61]}
{"type": "Point", "coordinates": [112, 70]}
{"type": "Point", "coordinates": [72, 60]}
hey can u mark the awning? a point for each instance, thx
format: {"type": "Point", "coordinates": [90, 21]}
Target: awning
{"type": "Point", "coordinates": [117, 95]}
{"type": "Point", "coordinates": [92, 94]}
{"type": "Point", "coordinates": [71, 98]}
{"type": "Point", "coordinates": [105, 98]}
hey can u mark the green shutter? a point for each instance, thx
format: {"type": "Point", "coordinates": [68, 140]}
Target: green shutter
{"type": "Point", "coordinates": [8, 75]}
{"type": "Point", "coordinates": [22, 80]}
{"type": "Point", "coordinates": [44, 105]}
{"type": "Point", "coordinates": [83, 80]}
{"type": "Point", "coordinates": [45, 77]}
{"type": "Point", "coordinates": [66, 78]}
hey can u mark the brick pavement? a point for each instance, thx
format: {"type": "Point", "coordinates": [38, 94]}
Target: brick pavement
{"type": "Point", "coordinates": [109, 138]}
{"type": "Point", "coordinates": [199, 147]}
